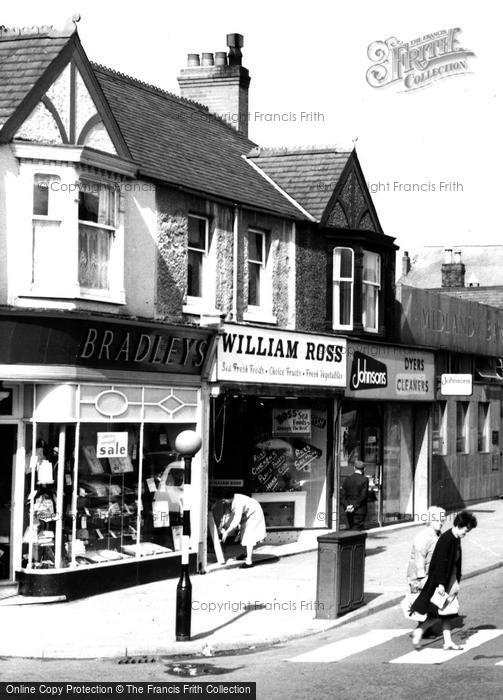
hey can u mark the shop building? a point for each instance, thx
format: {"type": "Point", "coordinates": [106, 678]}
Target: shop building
{"type": "Point", "coordinates": [90, 411]}
{"type": "Point", "coordinates": [275, 398]}
{"type": "Point", "coordinates": [385, 422]}
{"type": "Point", "coordinates": [466, 441]}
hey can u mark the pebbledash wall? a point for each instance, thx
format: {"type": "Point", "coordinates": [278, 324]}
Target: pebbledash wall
{"type": "Point", "coordinates": [225, 262]}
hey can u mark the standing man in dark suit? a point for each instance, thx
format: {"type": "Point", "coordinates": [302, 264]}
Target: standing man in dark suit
{"type": "Point", "coordinates": [354, 496]}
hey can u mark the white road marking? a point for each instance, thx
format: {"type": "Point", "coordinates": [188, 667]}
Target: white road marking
{"type": "Point", "coordinates": [347, 647]}
{"type": "Point", "coordinates": [500, 663]}
{"type": "Point", "coordinates": [439, 656]}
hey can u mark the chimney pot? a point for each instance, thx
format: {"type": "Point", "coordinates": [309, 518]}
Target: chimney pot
{"type": "Point", "coordinates": [220, 58]}
{"type": "Point", "coordinates": [457, 256]}
{"type": "Point", "coordinates": [235, 43]}
{"type": "Point", "coordinates": [193, 60]}
{"type": "Point", "coordinates": [448, 256]}
{"type": "Point", "coordinates": [207, 59]}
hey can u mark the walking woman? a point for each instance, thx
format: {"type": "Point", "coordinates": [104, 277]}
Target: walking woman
{"type": "Point", "coordinates": [247, 514]}
{"type": "Point", "coordinates": [444, 574]}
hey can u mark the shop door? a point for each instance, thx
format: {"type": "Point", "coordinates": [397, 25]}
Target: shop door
{"type": "Point", "coordinates": [8, 440]}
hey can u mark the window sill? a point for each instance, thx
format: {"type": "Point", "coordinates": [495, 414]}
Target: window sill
{"type": "Point", "coordinates": [81, 293]}
{"type": "Point", "coordinates": [259, 316]}
{"type": "Point", "coordinates": [200, 309]}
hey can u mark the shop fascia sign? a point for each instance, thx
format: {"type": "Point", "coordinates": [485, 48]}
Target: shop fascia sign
{"type": "Point", "coordinates": [456, 384]}
{"type": "Point", "coordinates": [390, 372]}
{"type": "Point", "coordinates": [266, 356]}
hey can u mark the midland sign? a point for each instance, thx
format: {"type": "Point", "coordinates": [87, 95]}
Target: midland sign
{"type": "Point", "coordinates": [247, 354]}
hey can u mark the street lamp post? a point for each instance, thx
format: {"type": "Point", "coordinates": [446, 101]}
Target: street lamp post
{"type": "Point", "coordinates": [187, 444]}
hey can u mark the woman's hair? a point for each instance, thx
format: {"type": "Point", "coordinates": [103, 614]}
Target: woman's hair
{"type": "Point", "coordinates": [465, 519]}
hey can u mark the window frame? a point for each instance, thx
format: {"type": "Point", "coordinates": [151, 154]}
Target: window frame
{"type": "Point", "coordinates": [53, 216]}
{"type": "Point", "coordinates": [483, 431]}
{"type": "Point", "coordinates": [464, 434]}
{"type": "Point", "coordinates": [110, 229]}
{"type": "Point", "coordinates": [440, 426]}
{"type": "Point", "coordinates": [261, 265]}
{"type": "Point", "coordinates": [191, 298]}
{"type": "Point", "coordinates": [336, 280]}
{"type": "Point", "coordinates": [377, 286]}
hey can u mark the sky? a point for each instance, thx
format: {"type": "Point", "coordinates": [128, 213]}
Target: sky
{"type": "Point", "coordinates": [429, 155]}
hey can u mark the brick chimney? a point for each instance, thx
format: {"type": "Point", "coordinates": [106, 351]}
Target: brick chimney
{"type": "Point", "coordinates": [453, 270]}
{"type": "Point", "coordinates": [220, 82]}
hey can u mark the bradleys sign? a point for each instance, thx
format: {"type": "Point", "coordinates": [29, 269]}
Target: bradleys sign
{"type": "Point", "coordinates": [390, 372]}
{"type": "Point", "coordinates": [264, 356]}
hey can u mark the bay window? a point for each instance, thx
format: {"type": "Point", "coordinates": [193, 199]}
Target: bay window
{"type": "Point", "coordinates": [343, 288]}
{"type": "Point", "coordinates": [371, 286]}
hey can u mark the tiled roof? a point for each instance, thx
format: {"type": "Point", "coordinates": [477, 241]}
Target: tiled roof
{"type": "Point", "coordinates": [308, 175]}
{"type": "Point", "coordinates": [491, 296]}
{"type": "Point", "coordinates": [24, 57]}
{"type": "Point", "coordinates": [178, 141]}
{"type": "Point", "coordinates": [483, 265]}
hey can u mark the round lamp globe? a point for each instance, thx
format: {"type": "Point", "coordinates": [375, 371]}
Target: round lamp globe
{"type": "Point", "coordinates": [187, 443]}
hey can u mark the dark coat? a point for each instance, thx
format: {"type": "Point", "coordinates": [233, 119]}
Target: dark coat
{"type": "Point", "coordinates": [444, 562]}
{"type": "Point", "coordinates": [354, 492]}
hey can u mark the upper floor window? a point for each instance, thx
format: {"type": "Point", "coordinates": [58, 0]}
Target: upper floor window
{"type": "Point", "coordinates": [371, 286]}
{"type": "Point", "coordinates": [343, 288]}
{"type": "Point", "coordinates": [47, 231]}
{"type": "Point", "coordinates": [256, 267]}
{"type": "Point", "coordinates": [97, 224]}
{"type": "Point", "coordinates": [197, 255]}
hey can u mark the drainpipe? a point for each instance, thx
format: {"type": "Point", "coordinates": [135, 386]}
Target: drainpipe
{"type": "Point", "coordinates": [235, 232]}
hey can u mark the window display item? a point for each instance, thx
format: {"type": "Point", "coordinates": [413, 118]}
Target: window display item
{"type": "Point", "coordinates": [44, 472]}
{"type": "Point", "coordinates": [94, 465]}
{"type": "Point", "coordinates": [145, 549]}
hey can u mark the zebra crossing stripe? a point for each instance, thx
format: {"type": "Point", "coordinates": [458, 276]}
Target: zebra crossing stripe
{"type": "Point", "coordinates": [440, 656]}
{"type": "Point", "coordinates": [347, 647]}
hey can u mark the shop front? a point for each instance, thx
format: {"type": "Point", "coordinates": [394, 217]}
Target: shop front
{"type": "Point", "coordinates": [384, 422]}
{"type": "Point", "coordinates": [275, 398]}
{"type": "Point", "coordinates": [91, 486]}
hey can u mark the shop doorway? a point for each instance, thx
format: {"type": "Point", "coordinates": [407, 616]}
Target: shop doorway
{"type": "Point", "coordinates": [8, 442]}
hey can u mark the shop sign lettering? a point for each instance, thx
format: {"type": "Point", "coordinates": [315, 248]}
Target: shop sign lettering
{"type": "Point", "coordinates": [280, 357]}
{"type": "Point", "coordinates": [367, 373]}
{"type": "Point", "coordinates": [111, 445]}
{"type": "Point", "coordinates": [119, 346]}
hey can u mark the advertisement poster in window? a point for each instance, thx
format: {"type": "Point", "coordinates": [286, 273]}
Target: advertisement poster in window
{"type": "Point", "coordinates": [296, 421]}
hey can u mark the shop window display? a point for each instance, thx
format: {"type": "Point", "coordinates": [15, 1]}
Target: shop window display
{"type": "Point", "coordinates": [89, 502]}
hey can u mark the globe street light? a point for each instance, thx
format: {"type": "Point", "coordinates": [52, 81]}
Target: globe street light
{"type": "Point", "coordinates": [187, 444]}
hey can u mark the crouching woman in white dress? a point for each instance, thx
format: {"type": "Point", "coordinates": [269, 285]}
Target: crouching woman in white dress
{"type": "Point", "coordinates": [246, 513]}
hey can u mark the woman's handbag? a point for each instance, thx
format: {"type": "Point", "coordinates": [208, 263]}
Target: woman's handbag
{"type": "Point", "coordinates": [406, 604]}
{"type": "Point", "coordinates": [439, 598]}
{"type": "Point", "coordinates": [451, 607]}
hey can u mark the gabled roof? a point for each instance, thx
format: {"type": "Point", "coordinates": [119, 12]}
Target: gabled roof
{"type": "Point", "coordinates": [308, 175]}
{"type": "Point", "coordinates": [179, 142]}
{"type": "Point", "coordinates": [483, 266]}
{"type": "Point", "coordinates": [24, 58]}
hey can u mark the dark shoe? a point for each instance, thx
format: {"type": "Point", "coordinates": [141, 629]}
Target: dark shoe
{"type": "Point", "coordinates": [246, 566]}
{"type": "Point", "coordinates": [241, 557]}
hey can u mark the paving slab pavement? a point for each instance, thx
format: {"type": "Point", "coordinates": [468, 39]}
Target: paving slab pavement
{"type": "Point", "coordinates": [232, 608]}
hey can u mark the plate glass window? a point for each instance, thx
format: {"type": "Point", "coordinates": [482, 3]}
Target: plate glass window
{"type": "Point", "coordinates": [343, 288]}
{"type": "Point", "coordinates": [256, 264]}
{"type": "Point", "coordinates": [97, 222]}
{"type": "Point", "coordinates": [197, 251]}
{"type": "Point", "coordinates": [371, 281]}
